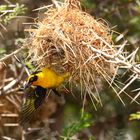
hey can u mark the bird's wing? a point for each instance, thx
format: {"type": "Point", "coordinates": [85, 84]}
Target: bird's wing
{"type": "Point", "coordinates": [34, 97]}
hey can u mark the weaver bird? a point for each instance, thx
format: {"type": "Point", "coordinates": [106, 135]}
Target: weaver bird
{"type": "Point", "coordinates": [46, 78]}
{"type": "Point", "coordinates": [34, 96]}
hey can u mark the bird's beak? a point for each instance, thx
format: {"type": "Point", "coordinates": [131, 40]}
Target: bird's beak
{"type": "Point", "coordinates": [27, 85]}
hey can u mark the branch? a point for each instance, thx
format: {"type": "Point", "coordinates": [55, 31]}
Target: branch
{"type": "Point", "coordinates": [121, 62]}
{"type": "Point", "coordinates": [117, 59]}
{"type": "Point", "coordinates": [11, 84]}
{"type": "Point", "coordinates": [11, 54]}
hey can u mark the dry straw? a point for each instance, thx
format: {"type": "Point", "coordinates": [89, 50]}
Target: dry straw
{"type": "Point", "coordinates": [69, 39]}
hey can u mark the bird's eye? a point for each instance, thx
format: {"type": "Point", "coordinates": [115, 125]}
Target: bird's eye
{"type": "Point", "coordinates": [33, 79]}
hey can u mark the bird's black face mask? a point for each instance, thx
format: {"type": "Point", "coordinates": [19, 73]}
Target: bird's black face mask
{"type": "Point", "coordinates": [30, 81]}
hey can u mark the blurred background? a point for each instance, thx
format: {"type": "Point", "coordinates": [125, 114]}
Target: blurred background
{"type": "Point", "coordinates": [63, 117]}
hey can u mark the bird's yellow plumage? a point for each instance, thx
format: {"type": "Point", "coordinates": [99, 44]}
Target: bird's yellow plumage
{"type": "Point", "coordinates": [47, 78]}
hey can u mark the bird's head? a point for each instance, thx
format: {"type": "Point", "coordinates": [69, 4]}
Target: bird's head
{"type": "Point", "coordinates": [31, 80]}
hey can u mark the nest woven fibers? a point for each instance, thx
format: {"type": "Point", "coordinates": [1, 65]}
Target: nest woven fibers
{"type": "Point", "coordinates": [66, 39]}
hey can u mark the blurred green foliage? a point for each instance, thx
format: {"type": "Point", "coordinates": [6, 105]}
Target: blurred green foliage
{"type": "Point", "coordinates": [135, 116]}
{"type": "Point", "coordinates": [2, 51]}
{"type": "Point", "coordinates": [88, 4]}
{"type": "Point", "coordinates": [9, 12]}
{"type": "Point", "coordinates": [75, 127]}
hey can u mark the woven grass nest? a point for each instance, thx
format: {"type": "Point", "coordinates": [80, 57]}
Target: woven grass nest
{"type": "Point", "coordinates": [66, 39]}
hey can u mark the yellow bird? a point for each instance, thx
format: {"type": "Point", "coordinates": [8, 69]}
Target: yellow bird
{"type": "Point", "coordinates": [34, 96]}
{"type": "Point", "coordinates": [46, 78]}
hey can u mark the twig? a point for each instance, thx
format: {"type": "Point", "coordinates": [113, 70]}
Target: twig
{"type": "Point", "coordinates": [8, 79]}
{"type": "Point", "coordinates": [22, 134]}
{"type": "Point", "coordinates": [10, 124]}
{"type": "Point", "coordinates": [130, 82]}
{"type": "Point", "coordinates": [138, 94]}
{"type": "Point", "coordinates": [8, 2]}
{"type": "Point", "coordinates": [10, 91]}
{"type": "Point", "coordinates": [4, 76]}
{"type": "Point", "coordinates": [11, 54]}
{"type": "Point", "coordinates": [12, 83]}
{"type": "Point", "coordinates": [24, 66]}
{"type": "Point", "coordinates": [13, 102]}
{"type": "Point", "coordinates": [7, 138]}
{"type": "Point", "coordinates": [9, 115]}
{"type": "Point", "coordinates": [42, 8]}
{"type": "Point", "coordinates": [122, 62]}
{"type": "Point", "coordinates": [55, 2]}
